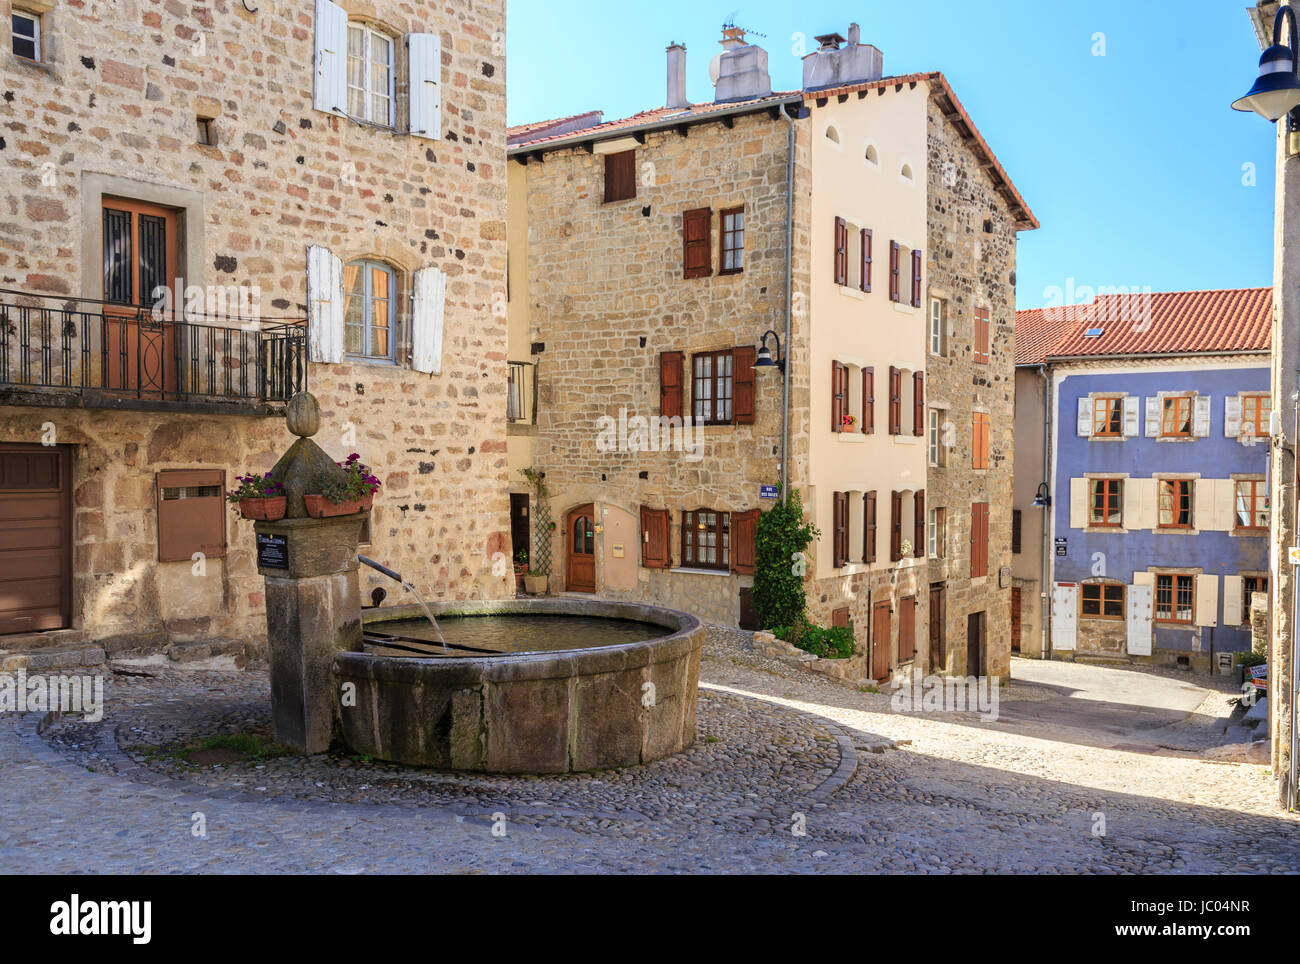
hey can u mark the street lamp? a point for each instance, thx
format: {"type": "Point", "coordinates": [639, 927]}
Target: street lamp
{"type": "Point", "coordinates": [1042, 498]}
{"type": "Point", "coordinates": [1277, 89]}
{"type": "Point", "coordinates": [764, 357]}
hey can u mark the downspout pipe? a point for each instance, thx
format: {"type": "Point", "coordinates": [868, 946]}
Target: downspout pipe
{"type": "Point", "coordinates": [789, 302]}
{"type": "Point", "coordinates": [1043, 611]}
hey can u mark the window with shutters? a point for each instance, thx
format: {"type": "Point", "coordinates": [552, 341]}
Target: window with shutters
{"type": "Point", "coordinates": [711, 387]}
{"type": "Point", "coordinates": [895, 401]}
{"type": "Point", "coordinates": [979, 539]}
{"type": "Point", "coordinates": [1015, 531]}
{"type": "Point", "coordinates": [895, 256]}
{"type": "Point", "coordinates": [980, 440]}
{"type": "Point", "coordinates": [938, 336]}
{"type": "Point", "coordinates": [1101, 600]}
{"type": "Point", "coordinates": [1175, 597]}
{"type": "Point", "coordinates": [706, 539]}
{"type": "Point", "coordinates": [1255, 415]}
{"type": "Point", "coordinates": [370, 75]}
{"type": "Point", "coordinates": [1175, 503]}
{"type": "Point", "coordinates": [1108, 417]}
{"type": "Point", "coordinates": [696, 227]}
{"type": "Point", "coordinates": [935, 539]}
{"type": "Point", "coordinates": [853, 252]}
{"type": "Point", "coordinates": [1250, 505]}
{"type": "Point", "coordinates": [1176, 416]}
{"type": "Point", "coordinates": [26, 35]}
{"type": "Point", "coordinates": [370, 310]}
{"type": "Point", "coordinates": [937, 449]}
{"type": "Point", "coordinates": [620, 176]}
{"type": "Point", "coordinates": [1105, 499]}
{"type": "Point", "coordinates": [731, 241]}
{"type": "Point", "coordinates": [1249, 586]}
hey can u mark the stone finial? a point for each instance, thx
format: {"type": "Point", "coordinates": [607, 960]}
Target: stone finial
{"type": "Point", "coordinates": [303, 415]}
{"type": "Point", "coordinates": [305, 463]}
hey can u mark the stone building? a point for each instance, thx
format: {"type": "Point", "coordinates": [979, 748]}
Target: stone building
{"type": "Point", "coordinates": [321, 188]}
{"type": "Point", "coordinates": [656, 258]}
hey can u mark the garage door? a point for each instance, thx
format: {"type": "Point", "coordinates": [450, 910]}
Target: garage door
{"type": "Point", "coordinates": [35, 538]}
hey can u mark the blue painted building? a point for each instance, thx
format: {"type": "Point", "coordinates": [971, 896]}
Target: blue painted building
{"type": "Point", "coordinates": [1157, 534]}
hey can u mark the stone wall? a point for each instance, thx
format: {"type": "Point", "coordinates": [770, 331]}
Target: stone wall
{"type": "Point", "coordinates": [114, 110]}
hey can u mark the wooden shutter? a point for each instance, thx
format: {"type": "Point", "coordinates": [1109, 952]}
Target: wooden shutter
{"type": "Point", "coordinates": [744, 529]}
{"type": "Point", "coordinates": [895, 526]}
{"type": "Point", "coordinates": [980, 440]}
{"type": "Point", "coordinates": [868, 401]}
{"type": "Point", "coordinates": [893, 271]}
{"type": "Point", "coordinates": [430, 292]}
{"type": "Point", "coordinates": [330, 91]}
{"type": "Point", "coordinates": [979, 539]}
{"type": "Point", "coordinates": [839, 395]}
{"type": "Point", "coordinates": [982, 336]}
{"type": "Point", "coordinates": [742, 384]}
{"type": "Point", "coordinates": [840, 617]}
{"type": "Point", "coordinates": [620, 178]}
{"type": "Point", "coordinates": [916, 277]}
{"type": "Point", "coordinates": [424, 51]}
{"type": "Point", "coordinates": [840, 537]}
{"type": "Point", "coordinates": [654, 538]}
{"type": "Point", "coordinates": [324, 306]}
{"type": "Point", "coordinates": [907, 629]}
{"type": "Point", "coordinates": [841, 252]}
{"type": "Point", "coordinates": [918, 524]}
{"type": "Point", "coordinates": [918, 403]}
{"type": "Point", "coordinates": [895, 401]}
{"type": "Point", "coordinates": [191, 514]}
{"type": "Point", "coordinates": [869, 527]}
{"type": "Point", "coordinates": [1015, 530]}
{"type": "Point", "coordinates": [670, 384]}
{"type": "Point", "coordinates": [696, 254]}
{"type": "Point", "coordinates": [866, 259]}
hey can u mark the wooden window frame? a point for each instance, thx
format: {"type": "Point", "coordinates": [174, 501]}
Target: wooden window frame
{"type": "Point", "coordinates": [692, 541]}
{"type": "Point", "coordinates": [1108, 412]}
{"type": "Point", "coordinates": [1185, 489]}
{"type": "Point", "coordinates": [1258, 492]}
{"type": "Point", "coordinates": [935, 329]}
{"type": "Point", "coordinates": [713, 380]}
{"type": "Point", "coordinates": [936, 451]}
{"type": "Point", "coordinates": [368, 32]}
{"type": "Point", "coordinates": [1176, 578]}
{"type": "Point", "coordinates": [936, 532]}
{"type": "Point", "coordinates": [726, 239]}
{"type": "Point", "coordinates": [1112, 487]}
{"type": "Point", "coordinates": [1165, 411]}
{"type": "Point", "coordinates": [367, 266]}
{"type": "Point", "coordinates": [1261, 403]}
{"type": "Point", "coordinates": [1105, 592]}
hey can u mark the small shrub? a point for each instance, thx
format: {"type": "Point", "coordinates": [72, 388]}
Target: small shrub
{"type": "Point", "coordinates": [1251, 658]}
{"type": "Point", "coordinates": [833, 643]}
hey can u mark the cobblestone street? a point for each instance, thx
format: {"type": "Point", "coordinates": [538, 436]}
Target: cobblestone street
{"type": "Point", "coordinates": [777, 750]}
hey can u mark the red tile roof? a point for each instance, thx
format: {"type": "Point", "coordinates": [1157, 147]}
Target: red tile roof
{"type": "Point", "coordinates": [555, 126]}
{"type": "Point", "coordinates": [1156, 323]}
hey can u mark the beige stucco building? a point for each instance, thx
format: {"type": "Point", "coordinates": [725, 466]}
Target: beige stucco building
{"type": "Point", "coordinates": [652, 261]}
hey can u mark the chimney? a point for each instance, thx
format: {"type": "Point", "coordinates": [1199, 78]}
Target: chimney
{"type": "Point", "coordinates": [742, 69]}
{"type": "Point", "coordinates": [677, 76]}
{"type": "Point", "coordinates": [833, 65]}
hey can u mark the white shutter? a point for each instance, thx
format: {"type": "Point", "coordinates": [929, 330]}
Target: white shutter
{"type": "Point", "coordinates": [427, 317]}
{"type": "Point", "coordinates": [1147, 491]}
{"type": "Point", "coordinates": [1207, 600]}
{"type": "Point", "coordinates": [424, 50]}
{"type": "Point", "coordinates": [1132, 503]}
{"type": "Point", "coordinates": [1203, 514]}
{"type": "Point", "coordinates": [330, 92]}
{"type": "Point", "coordinates": [1153, 416]}
{"type": "Point", "coordinates": [1084, 417]}
{"type": "Point", "coordinates": [1065, 615]}
{"type": "Point", "coordinates": [1232, 589]}
{"type": "Point", "coordinates": [1225, 504]}
{"type": "Point", "coordinates": [1201, 416]}
{"type": "Point", "coordinates": [1232, 416]}
{"type": "Point", "coordinates": [1078, 503]}
{"type": "Point", "coordinates": [1132, 415]}
{"type": "Point", "coordinates": [324, 305]}
{"type": "Point", "coordinates": [1138, 618]}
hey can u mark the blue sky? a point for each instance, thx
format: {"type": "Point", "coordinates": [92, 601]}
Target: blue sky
{"type": "Point", "coordinates": [1131, 160]}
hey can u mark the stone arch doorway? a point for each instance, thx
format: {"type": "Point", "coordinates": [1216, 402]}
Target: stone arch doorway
{"type": "Point", "coordinates": [580, 549]}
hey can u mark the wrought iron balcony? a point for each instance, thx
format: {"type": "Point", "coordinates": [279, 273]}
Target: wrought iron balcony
{"type": "Point", "coordinates": [82, 353]}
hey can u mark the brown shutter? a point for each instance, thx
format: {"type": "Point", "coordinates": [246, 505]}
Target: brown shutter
{"type": "Point", "coordinates": [1015, 530]}
{"type": "Point", "coordinates": [868, 401]}
{"type": "Point", "coordinates": [840, 528]}
{"type": "Point", "coordinates": [841, 252]}
{"type": "Point", "coordinates": [654, 538]}
{"type": "Point", "coordinates": [980, 441]}
{"type": "Point", "coordinates": [979, 539]}
{"type": "Point", "coordinates": [744, 529]}
{"type": "Point", "coordinates": [918, 403]}
{"type": "Point", "coordinates": [670, 383]}
{"type": "Point", "coordinates": [918, 525]}
{"type": "Point", "coordinates": [982, 336]}
{"type": "Point", "coordinates": [907, 629]}
{"type": "Point", "coordinates": [866, 259]}
{"type": "Point", "coordinates": [895, 526]}
{"type": "Point", "coordinates": [620, 176]}
{"type": "Point", "coordinates": [840, 617]}
{"type": "Point", "coordinates": [893, 271]}
{"type": "Point", "coordinates": [895, 401]}
{"type": "Point", "coordinates": [186, 525]}
{"type": "Point", "coordinates": [742, 384]}
{"type": "Point", "coordinates": [839, 395]}
{"type": "Point", "coordinates": [869, 527]}
{"type": "Point", "coordinates": [916, 277]}
{"type": "Point", "coordinates": [696, 253]}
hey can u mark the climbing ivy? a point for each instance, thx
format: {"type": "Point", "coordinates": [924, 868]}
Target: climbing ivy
{"type": "Point", "coordinates": [780, 562]}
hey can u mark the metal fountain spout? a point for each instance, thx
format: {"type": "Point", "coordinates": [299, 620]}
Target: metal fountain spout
{"type": "Point", "coordinates": [409, 588]}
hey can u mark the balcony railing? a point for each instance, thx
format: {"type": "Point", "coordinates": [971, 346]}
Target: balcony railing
{"type": "Point", "coordinates": [521, 393]}
{"type": "Point", "coordinates": [80, 352]}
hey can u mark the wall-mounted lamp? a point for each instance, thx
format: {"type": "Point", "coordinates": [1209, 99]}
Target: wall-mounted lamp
{"type": "Point", "coordinates": [1276, 90]}
{"type": "Point", "coordinates": [1043, 497]}
{"type": "Point", "coordinates": [764, 358]}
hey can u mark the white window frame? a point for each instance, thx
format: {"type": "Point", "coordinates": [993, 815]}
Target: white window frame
{"type": "Point", "coordinates": [937, 340]}
{"type": "Point", "coordinates": [368, 33]}
{"type": "Point", "coordinates": [367, 313]}
{"type": "Point", "coordinates": [35, 38]}
{"type": "Point", "coordinates": [936, 453]}
{"type": "Point", "coordinates": [935, 536]}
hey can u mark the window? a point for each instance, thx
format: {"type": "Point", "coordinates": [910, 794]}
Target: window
{"type": "Point", "coordinates": [27, 35]}
{"type": "Point", "coordinates": [1174, 597]}
{"type": "Point", "coordinates": [1254, 415]}
{"type": "Point", "coordinates": [732, 241]}
{"type": "Point", "coordinates": [980, 440]}
{"type": "Point", "coordinates": [1104, 502]}
{"type": "Point", "coordinates": [1249, 586]}
{"type": "Point", "coordinates": [370, 75]}
{"type": "Point", "coordinates": [1108, 417]}
{"type": "Point", "coordinates": [1175, 501]}
{"type": "Point", "coordinates": [706, 539]}
{"type": "Point", "coordinates": [1251, 504]}
{"type": "Point", "coordinates": [938, 344]}
{"type": "Point", "coordinates": [1101, 600]}
{"type": "Point", "coordinates": [937, 449]}
{"type": "Point", "coordinates": [620, 176]}
{"type": "Point", "coordinates": [935, 533]}
{"type": "Point", "coordinates": [981, 347]}
{"type": "Point", "coordinates": [696, 260]}
{"type": "Point", "coordinates": [852, 255]}
{"type": "Point", "coordinates": [712, 383]}
{"type": "Point", "coordinates": [205, 132]}
{"type": "Point", "coordinates": [1176, 416]}
{"type": "Point", "coordinates": [979, 539]}
{"type": "Point", "coordinates": [191, 514]}
{"type": "Point", "coordinates": [369, 309]}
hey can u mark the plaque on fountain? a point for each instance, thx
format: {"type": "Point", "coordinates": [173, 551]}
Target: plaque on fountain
{"type": "Point", "coordinates": [272, 551]}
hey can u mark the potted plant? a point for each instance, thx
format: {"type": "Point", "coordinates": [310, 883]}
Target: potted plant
{"type": "Point", "coordinates": [848, 421]}
{"type": "Point", "coordinates": [535, 582]}
{"type": "Point", "coordinates": [353, 493]}
{"type": "Point", "coordinates": [259, 497]}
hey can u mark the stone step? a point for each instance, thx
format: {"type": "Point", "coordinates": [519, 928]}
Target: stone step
{"type": "Point", "coordinates": [51, 639]}
{"type": "Point", "coordinates": [51, 659]}
{"type": "Point", "coordinates": [201, 649]}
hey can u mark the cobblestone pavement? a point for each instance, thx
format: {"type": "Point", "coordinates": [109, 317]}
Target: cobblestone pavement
{"type": "Point", "coordinates": [778, 750]}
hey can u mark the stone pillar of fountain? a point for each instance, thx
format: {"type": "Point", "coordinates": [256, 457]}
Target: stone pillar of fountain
{"type": "Point", "coordinates": [313, 595]}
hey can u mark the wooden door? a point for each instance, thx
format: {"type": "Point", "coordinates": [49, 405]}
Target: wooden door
{"type": "Point", "coordinates": [881, 640]}
{"type": "Point", "coordinates": [580, 550]}
{"type": "Point", "coordinates": [138, 343]}
{"type": "Point", "coordinates": [1015, 619]}
{"type": "Point", "coordinates": [938, 615]}
{"type": "Point", "coordinates": [35, 538]}
{"type": "Point", "coordinates": [974, 643]}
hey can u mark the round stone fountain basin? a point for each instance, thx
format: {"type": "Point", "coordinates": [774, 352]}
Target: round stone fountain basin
{"type": "Point", "coordinates": [527, 710]}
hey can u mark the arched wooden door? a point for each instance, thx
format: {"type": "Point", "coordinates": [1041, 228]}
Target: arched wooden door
{"type": "Point", "coordinates": [580, 549]}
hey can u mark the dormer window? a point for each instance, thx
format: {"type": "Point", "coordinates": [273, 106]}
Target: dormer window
{"type": "Point", "coordinates": [370, 75]}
